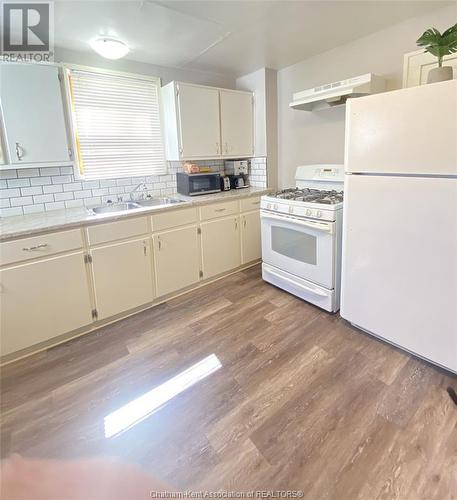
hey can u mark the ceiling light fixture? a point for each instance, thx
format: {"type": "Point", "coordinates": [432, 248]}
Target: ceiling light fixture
{"type": "Point", "coordinates": [110, 48]}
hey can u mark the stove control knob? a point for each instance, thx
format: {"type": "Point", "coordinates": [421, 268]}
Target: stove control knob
{"type": "Point", "coordinates": [275, 207]}
{"type": "Point", "coordinates": [309, 211]}
{"type": "Point", "coordinates": [268, 205]}
{"type": "Point", "coordinates": [319, 213]}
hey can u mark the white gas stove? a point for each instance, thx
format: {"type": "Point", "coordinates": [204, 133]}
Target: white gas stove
{"type": "Point", "coordinates": [301, 235]}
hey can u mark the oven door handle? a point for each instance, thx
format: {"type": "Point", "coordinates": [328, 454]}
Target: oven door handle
{"type": "Point", "coordinates": [320, 226]}
{"type": "Point", "coordinates": [292, 282]}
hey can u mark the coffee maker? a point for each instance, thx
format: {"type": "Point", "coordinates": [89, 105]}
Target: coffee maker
{"type": "Point", "coordinates": [237, 171]}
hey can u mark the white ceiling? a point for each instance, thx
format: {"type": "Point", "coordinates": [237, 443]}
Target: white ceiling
{"type": "Point", "coordinates": [233, 37]}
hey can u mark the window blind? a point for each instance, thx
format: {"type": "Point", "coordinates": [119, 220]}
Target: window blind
{"type": "Point", "coordinates": [117, 125]}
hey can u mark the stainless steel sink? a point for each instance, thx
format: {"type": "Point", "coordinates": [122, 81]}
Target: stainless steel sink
{"type": "Point", "coordinates": [115, 207]}
{"type": "Point", "coordinates": [156, 202]}
{"type": "Point", "coordinates": [112, 208]}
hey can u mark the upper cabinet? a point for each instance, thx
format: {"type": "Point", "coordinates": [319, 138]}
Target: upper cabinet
{"type": "Point", "coordinates": [199, 128]}
{"type": "Point", "coordinates": [33, 115]}
{"type": "Point", "coordinates": [236, 123]}
{"type": "Point", "coordinates": [206, 122]}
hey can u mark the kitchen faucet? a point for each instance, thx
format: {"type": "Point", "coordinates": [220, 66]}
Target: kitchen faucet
{"type": "Point", "coordinates": [135, 189]}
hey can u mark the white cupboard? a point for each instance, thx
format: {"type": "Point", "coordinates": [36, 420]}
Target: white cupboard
{"type": "Point", "coordinates": [220, 246]}
{"type": "Point", "coordinates": [199, 128]}
{"type": "Point", "coordinates": [176, 259]}
{"type": "Point", "coordinates": [33, 91]}
{"type": "Point", "coordinates": [122, 274]}
{"type": "Point", "coordinates": [250, 237]}
{"type": "Point", "coordinates": [207, 122]}
{"type": "Point", "coordinates": [43, 299]}
{"type": "Point", "coordinates": [237, 129]}
{"type": "Point", "coordinates": [61, 282]}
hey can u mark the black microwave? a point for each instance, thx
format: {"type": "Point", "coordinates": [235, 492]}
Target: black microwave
{"type": "Point", "coordinates": [194, 184]}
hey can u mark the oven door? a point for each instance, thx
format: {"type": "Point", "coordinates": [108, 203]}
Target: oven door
{"type": "Point", "coordinates": [302, 247]}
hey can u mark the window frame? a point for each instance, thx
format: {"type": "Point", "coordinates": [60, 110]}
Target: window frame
{"type": "Point", "coordinates": [66, 69]}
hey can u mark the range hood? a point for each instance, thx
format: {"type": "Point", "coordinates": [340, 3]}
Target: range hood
{"type": "Point", "coordinates": [336, 93]}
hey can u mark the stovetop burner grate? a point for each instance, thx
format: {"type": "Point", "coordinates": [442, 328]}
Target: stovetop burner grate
{"type": "Point", "coordinates": [310, 195]}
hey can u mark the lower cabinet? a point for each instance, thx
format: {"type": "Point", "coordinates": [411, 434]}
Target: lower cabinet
{"type": "Point", "coordinates": [43, 299]}
{"type": "Point", "coordinates": [176, 259]}
{"type": "Point", "coordinates": [220, 246]}
{"type": "Point", "coordinates": [122, 275]}
{"type": "Point", "coordinates": [250, 237]}
{"type": "Point", "coordinates": [55, 294]}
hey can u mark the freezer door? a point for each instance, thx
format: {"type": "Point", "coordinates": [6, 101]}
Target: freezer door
{"type": "Point", "coordinates": [399, 275]}
{"type": "Point", "coordinates": [408, 131]}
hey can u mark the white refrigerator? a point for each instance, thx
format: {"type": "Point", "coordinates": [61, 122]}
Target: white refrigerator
{"type": "Point", "coordinates": [399, 267]}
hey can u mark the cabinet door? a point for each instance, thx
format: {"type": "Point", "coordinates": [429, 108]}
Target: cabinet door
{"type": "Point", "coordinates": [250, 237]}
{"type": "Point", "coordinates": [33, 114]}
{"type": "Point", "coordinates": [43, 299]}
{"type": "Point", "coordinates": [237, 124]}
{"type": "Point", "coordinates": [198, 109]}
{"type": "Point", "coordinates": [220, 246]}
{"type": "Point", "coordinates": [176, 259]}
{"type": "Point", "coordinates": [122, 276]}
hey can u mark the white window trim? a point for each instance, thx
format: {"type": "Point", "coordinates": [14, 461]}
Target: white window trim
{"type": "Point", "coordinates": [66, 68]}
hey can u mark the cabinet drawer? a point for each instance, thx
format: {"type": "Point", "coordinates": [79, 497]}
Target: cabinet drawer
{"type": "Point", "coordinates": [111, 231]}
{"type": "Point", "coordinates": [40, 246]}
{"type": "Point", "coordinates": [215, 210]}
{"type": "Point", "coordinates": [174, 218]}
{"type": "Point", "coordinates": [250, 203]}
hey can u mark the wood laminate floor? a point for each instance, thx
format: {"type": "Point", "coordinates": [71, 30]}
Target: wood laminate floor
{"type": "Point", "coordinates": [302, 400]}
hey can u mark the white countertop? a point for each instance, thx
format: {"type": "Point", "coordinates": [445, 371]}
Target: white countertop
{"type": "Point", "coordinates": [26, 225]}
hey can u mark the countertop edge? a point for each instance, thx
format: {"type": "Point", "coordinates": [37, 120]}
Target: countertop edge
{"type": "Point", "coordinates": [36, 224]}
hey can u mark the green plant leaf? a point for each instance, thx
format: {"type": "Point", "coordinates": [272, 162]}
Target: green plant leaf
{"type": "Point", "coordinates": [450, 39]}
{"type": "Point", "coordinates": [431, 36]}
{"type": "Point", "coordinates": [438, 44]}
{"type": "Point", "coordinates": [451, 31]}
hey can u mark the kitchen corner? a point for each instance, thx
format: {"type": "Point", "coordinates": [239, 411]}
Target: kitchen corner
{"type": "Point", "coordinates": [228, 250]}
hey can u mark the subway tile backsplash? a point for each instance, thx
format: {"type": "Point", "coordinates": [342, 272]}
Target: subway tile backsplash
{"type": "Point", "coordinates": [258, 172]}
{"type": "Point", "coordinates": [35, 190]}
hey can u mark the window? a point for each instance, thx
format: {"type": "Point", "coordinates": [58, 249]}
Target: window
{"type": "Point", "coordinates": [116, 124]}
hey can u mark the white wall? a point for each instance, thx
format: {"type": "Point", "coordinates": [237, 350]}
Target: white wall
{"type": "Point", "coordinates": [255, 82]}
{"type": "Point", "coordinates": [263, 83]}
{"type": "Point", "coordinates": [318, 137]}
{"type": "Point", "coordinates": [165, 73]}
{"type": "Point", "coordinates": [271, 105]}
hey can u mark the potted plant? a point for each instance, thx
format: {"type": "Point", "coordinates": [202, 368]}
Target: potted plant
{"type": "Point", "coordinates": [439, 45]}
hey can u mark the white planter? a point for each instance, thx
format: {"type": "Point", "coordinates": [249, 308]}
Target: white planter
{"type": "Point", "coordinates": [440, 74]}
